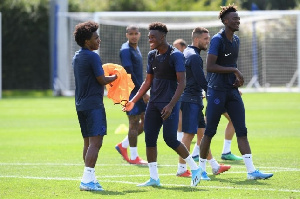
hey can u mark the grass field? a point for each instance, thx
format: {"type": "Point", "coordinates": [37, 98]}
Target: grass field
{"type": "Point", "coordinates": [41, 146]}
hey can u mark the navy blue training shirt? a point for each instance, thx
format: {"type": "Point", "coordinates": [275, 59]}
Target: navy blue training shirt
{"type": "Point", "coordinates": [195, 78]}
{"type": "Point", "coordinates": [164, 68]}
{"type": "Point", "coordinates": [227, 53]}
{"type": "Point", "coordinates": [132, 61]}
{"type": "Point", "coordinates": [87, 66]}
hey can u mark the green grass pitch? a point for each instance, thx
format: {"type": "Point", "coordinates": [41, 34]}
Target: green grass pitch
{"type": "Point", "coordinates": [41, 153]}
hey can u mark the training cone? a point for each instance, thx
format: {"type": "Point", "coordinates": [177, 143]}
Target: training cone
{"type": "Point", "coordinates": [122, 129]}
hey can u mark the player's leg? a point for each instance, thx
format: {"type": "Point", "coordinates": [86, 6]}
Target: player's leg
{"type": "Point", "coordinates": [236, 111]}
{"type": "Point", "coordinates": [200, 133]}
{"type": "Point", "coordinates": [182, 170]}
{"type": "Point", "coordinates": [136, 123]}
{"type": "Point", "coordinates": [169, 135]}
{"type": "Point", "coordinates": [190, 115]}
{"type": "Point", "coordinates": [152, 125]}
{"type": "Point", "coordinates": [134, 128]}
{"type": "Point", "coordinates": [91, 156]}
{"type": "Point", "coordinates": [216, 167]}
{"type": "Point", "coordinates": [229, 133]}
{"type": "Point", "coordinates": [215, 104]}
{"type": "Point", "coordinates": [93, 128]}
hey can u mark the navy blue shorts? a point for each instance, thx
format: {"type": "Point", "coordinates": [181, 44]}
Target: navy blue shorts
{"type": "Point", "coordinates": [191, 116]}
{"type": "Point", "coordinates": [229, 100]}
{"type": "Point", "coordinates": [92, 122]}
{"type": "Point", "coordinates": [153, 123]}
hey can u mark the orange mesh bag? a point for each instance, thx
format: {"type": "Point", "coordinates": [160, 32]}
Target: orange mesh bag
{"type": "Point", "coordinates": [120, 89]}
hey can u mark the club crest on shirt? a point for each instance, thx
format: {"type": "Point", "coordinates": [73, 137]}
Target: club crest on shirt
{"type": "Point", "coordinates": [217, 101]}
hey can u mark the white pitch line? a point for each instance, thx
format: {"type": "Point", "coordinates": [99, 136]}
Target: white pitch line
{"type": "Point", "coordinates": [176, 185]}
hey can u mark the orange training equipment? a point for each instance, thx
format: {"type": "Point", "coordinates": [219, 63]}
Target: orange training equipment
{"type": "Point", "coordinates": [120, 89]}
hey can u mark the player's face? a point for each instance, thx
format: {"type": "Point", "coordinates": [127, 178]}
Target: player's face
{"type": "Point", "coordinates": [94, 42]}
{"type": "Point", "coordinates": [156, 38]}
{"type": "Point", "coordinates": [133, 36]}
{"type": "Point", "coordinates": [203, 41]}
{"type": "Point", "coordinates": [233, 21]}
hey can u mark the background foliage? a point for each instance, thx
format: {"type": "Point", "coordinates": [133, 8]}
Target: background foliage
{"type": "Point", "coordinates": [25, 30]}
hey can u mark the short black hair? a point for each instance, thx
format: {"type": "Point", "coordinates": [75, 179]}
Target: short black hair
{"type": "Point", "coordinates": [84, 31]}
{"type": "Point", "coordinates": [158, 26]}
{"type": "Point", "coordinates": [227, 9]}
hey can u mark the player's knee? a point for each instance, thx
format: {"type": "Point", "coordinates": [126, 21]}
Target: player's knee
{"type": "Point", "coordinates": [96, 146]}
{"type": "Point", "coordinates": [241, 132]}
{"type": "Point", "coordinates": [150, 142]}
{"type": "Point", "coordinates": [172, 143]}
{"type": "Point", "coordinates": [210, 133]}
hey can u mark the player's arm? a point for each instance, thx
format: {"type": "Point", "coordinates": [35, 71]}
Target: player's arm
{"type": "Point", "coordinates": [180, 88]}
{"type": "Point", "coordinates": [126, 61]}
{"type": "Point", "coordinates": [197, 72]}
{"type": "Point", "coordinates": [141, 92]}
{"type": "Point", "coordinates": [96, 65]}
{"type": "Point", "coordinates": [212, 67]}
{"type": "Point", "coordinates": [167, 110]}
{"type": "Point", "coordinates": [103, 80]}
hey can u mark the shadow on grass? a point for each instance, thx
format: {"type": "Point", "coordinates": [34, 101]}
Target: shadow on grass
{"type": "Point", "coordinates": [237, 181]}
{"type": "Point", "coordinates": [183, 188]}
{"type": "Point", "coordinates": [112, 193]}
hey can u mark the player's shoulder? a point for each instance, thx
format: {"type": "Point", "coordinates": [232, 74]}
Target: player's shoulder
{"type": "Point", "coordinates": [89, 53]}
{"type": "Point", "coordinates": [190, 50]}
{"type": "Point", "coordinates": [125, 46]}
{"type": "Point", "coordinates": [217, 37]}
{"type": "Point", "coordinates": [152, 52]}
{"type": "Point", "coordinates": [175, 52]}
{"type": "Point", "coordinates": [236, 37]}
{"type": "Point", "coordinates": [151, 55]}
{"type": "Point", "coordinates": [92, 56]}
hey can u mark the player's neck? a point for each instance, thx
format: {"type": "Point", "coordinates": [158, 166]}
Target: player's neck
{"type": "Point", "coordinates": [133, 45]}
{"type": "Point", "coordinates": [163, 48]}
{"type": "Point", "coordinates": [229, 33]}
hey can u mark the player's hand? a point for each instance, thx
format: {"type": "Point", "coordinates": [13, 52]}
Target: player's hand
{"type": "Point", "coordinates": [146, 98]}
{"type": "Point", "coordinates": [166, 112]}
{"type": "Point", "coordinates": [239, 81]}
{"type": "Point", "coordinates": [128, 106]}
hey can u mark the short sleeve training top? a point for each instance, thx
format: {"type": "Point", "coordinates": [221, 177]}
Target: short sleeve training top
{"type": "Point", "coordinates": [132, 61]}
{"type": "Point", "coordinates": [227, 53]}
{"type": "Point", "coordinates": [87, 66]}
{"type": "Point", "coordinates": [164, 68]}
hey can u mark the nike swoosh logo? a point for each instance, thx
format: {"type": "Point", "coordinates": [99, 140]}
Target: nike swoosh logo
{"type": "Point", "coordinates": [227, 54]}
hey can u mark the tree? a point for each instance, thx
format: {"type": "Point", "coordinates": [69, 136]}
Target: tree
{"type": "Point", "coordinates": [25, 45]}
{"type": "Point", "coordinates": [270, 4]}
